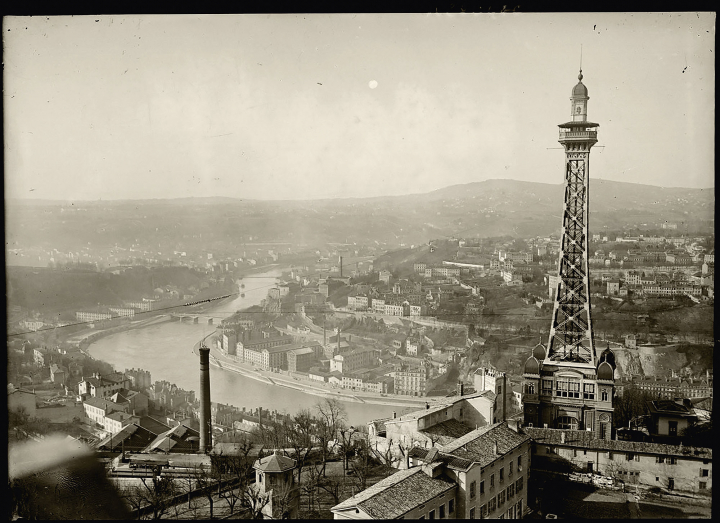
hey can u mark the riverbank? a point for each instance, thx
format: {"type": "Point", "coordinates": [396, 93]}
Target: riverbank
{"type": "Point", "coordinates": [284, 379]}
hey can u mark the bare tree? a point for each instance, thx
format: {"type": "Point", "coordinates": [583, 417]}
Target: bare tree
{"type": "Point", "coordinates": [300, 434]}
{"type": "Point", "coordinates": [362, 464]}
{"type": "Point", "coordinates": [236, 470]}
{"type": "Point", "coordinates": [310, 486]}
{"type": "Point", "coordinates": [255, 501]}
{"type": "Point", "coordinates": [332, 485]}
{"type": "Point", "coordinates": [283, 499]}
{"type": "Point", "coordinates": [386, 456]}
{"type": "Point", "coordinates": [205, 481]}
{"type": "Point", "coordinates": [331, 416]}
{"type": "Point", "coordinates": [155, 494]}
{"type": "Point", "coordinates": [346, 443]}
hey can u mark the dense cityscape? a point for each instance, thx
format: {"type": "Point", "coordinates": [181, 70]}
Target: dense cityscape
{"type": "Point", "coordinates": [464, 353]}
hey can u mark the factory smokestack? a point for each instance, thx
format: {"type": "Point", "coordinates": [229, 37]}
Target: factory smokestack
{"type": "Point", "coordinates": [205, 421]}
{"type": "Point", "coordinates": [341, 266]}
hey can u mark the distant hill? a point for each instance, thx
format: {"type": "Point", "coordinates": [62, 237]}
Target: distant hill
{"type": "Point", "coordinates": [481, 209]}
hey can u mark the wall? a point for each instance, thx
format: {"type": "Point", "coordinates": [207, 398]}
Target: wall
{"type": "Point", "coordinates": [642, 469]}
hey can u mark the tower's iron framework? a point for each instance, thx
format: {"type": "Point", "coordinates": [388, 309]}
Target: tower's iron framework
{"type": "Point", "coordinates": [571, 335]}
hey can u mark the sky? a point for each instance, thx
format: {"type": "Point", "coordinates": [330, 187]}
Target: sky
{"type": "Point", "coordinates": [278, 107]}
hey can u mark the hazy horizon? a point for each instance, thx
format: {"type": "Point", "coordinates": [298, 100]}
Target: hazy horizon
{"type": "Point", "coordinates": [30, 199]}
{"type": "Point", "coordinates": [311, 107]}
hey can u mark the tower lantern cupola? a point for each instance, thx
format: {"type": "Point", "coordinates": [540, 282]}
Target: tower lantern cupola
{"type": "Point", "coordinates": [579, 100]}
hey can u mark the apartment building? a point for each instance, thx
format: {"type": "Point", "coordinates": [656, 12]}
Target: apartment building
{"type": "Point", "coordinates": [412, 381]}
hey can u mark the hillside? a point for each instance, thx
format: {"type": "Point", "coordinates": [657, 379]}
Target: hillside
{"type": "Point", "coordinates": [482, 209]}
{"type": "Point", "coordinates": [45, 290]}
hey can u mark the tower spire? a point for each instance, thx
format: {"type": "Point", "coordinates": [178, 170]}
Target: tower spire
{"type": "Point", "coordinates": [580, 75]}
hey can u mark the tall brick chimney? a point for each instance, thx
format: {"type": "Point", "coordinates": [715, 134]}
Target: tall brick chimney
{"type": "Point", "coordinates": [205, 420]}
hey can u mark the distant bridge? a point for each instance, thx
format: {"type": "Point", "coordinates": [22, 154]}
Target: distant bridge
{"type": "Point", "coordinates": [196, 318]}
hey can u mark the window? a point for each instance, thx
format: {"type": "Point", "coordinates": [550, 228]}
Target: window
{"type": "Point", "coordinates": [472, 489]}
{"type": "Point", "coordinates": [510, 469]}
{"type": "Point", "coordinates": [451, 506]}
{"type": "Point", "coordinates": [502, 474]}
{"type": "Point", "coordinates": [431, 515]}
{"type": "Point", "coordinates": [530, 388]}
{"type": "Point", "coordinates": [671, 483]}
{"type": "Point", "coordinates": [589, 391]}
{"type": "Point", "coordinates": [483, 511]}
{"type": "Point", "coordinates": [547, 387]}
{"type": "Point", "coordinates": [604, 395]}
{"type": "Point", "coordinates": [501, 498]}
{"type": "Point", "coordinates": [492, 480]}
{"type": "Point", "coordinates": [482, 487]}
{"type": "Point", "coordinates": [519, 485]}
{"type": "Point", "coordinates": [491, 506]}
{"type": "Point", "coordinates": [703, 473]}
{"type": "Point", "coordinates": [519, 463]}
{"type": "Point", "coordinates": [472, 513]}
{"type": "Point", "coordinates": [629, 456]}
{"type": "Point", "coordinates": [636, 457]}
{"type": "Point", "coordinates": [672, 428]}
{"type": "Point", "coordinates": [442, 511]}
{"type": "Point", "coordinates": [511, 491]}
{"type": "Point", "coordinates": [702, 485]}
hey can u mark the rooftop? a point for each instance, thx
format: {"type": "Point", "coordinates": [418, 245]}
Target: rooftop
{"type": "Point", "coordinates": [447, 431]}
{"type": "Point", "coordinates": [587, 440]}
{"type": "Point", "coordinates": [479, 445]}
{"type": "Point", "coordinates": [398, 494]}
{"type": "Point", "coordinates": [274, 463]}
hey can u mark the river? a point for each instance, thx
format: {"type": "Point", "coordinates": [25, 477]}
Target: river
{"type": "Point", "coordinates": [166, 351]}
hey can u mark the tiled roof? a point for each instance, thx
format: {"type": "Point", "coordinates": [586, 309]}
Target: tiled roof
{"type": "Point", "coordinates": [479, 445]}
{"type": "Point", "coordinates": [447, 431]}
{"type": "Point", "coordinates": [398, 494]}
{"type": "Point", "coordinates": [274, 463]}
{"type": "Point", "coordinates": [587, 440]}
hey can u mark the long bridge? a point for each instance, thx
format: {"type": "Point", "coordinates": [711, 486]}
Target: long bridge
{"type": "Point", "coordinates": [188, 317]}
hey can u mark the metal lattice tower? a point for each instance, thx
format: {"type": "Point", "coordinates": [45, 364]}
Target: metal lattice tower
{"type": "Point", "coordinates": [571, 335]}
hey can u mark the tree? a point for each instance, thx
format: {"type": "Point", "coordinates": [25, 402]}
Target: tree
{"type": "Point", "coordinates": [632, 404]}
{"type": "Point", "coordinates": [236, 469]}
{"type": "Point", "coordinates": [300, 432]}
{"type": "Point", "coordinates": [205, 481]}
{"type": "Point", "coordinates": [155, 495]}
{"type": "Point", "coordinates": [331, 415]}
{"type": "Point", "coordinates": [346, 443]}
{"type": "Point", "coordinates": [255, 501]}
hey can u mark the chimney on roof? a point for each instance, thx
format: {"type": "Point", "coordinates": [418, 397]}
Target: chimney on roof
{"type": "Point", "coordinates": [562, 437]}
{"type": "Point", "coordinates": [427, 406]}
{"type": "Point", "coordinates": [495, 448]}
{"type": "Point", "coordinates": [394, 415]}
{"type": "Point", "coordinates": [461, 388]}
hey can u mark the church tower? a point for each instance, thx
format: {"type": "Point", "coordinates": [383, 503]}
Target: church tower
{"type": "Point", "coordinates": [566, 385]}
